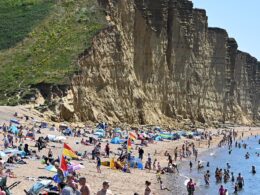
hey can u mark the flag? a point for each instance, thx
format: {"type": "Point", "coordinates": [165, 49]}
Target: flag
{"type": "Point", "coordinates": [132, 136]}
{"type": "Point", "coordinates": [129, 146]}
{"type": "Point", "coordinates": [67, 151]}
{"type": "Point", "coordinates": [63, 163]}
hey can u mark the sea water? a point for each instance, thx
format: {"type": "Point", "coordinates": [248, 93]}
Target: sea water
{"type": "Point", "coordinates": [239, 164]}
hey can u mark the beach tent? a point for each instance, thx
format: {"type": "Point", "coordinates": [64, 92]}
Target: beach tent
{"type": "Point", "coordinates": [44, 125]}
{"type": "Point", "coordinates": [175, 136]}
{"type": "Point", "coordinates": [189, 134]}
{"type": "Point", "coordinates": [14, 129]}
{"type": "Point", "coordinates": [100, 133]}
{"type": "Point", "coordinates": [166, 135]}
{"type": "Point", "coordinates": [158, 138]}
{"type": "Point", "coordinates": [117, 130]}
{"type": "Point", "coordinates": [15, 121]}
{"type": "Point", "coordinates": [115, 140]}
{"type": "Point", "coordinates": [136, 161]}
{"type": "Point", "coordinates": [68, 131]}
{"type": "Point", "coordinates": [102, 125]}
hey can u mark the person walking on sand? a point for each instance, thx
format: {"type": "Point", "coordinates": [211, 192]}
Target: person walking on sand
{"type": "Point", "coordinates": [6, 141]}
{"type": "Point", "coordinates": [105, 190]}
{"type": "Point", "coordinates": [175, 153]}
{"type": "Point", "coordinates": [141, 153]}
{"type": "Point", "coordinates": [107, 150]}
{"type": "Point", "coordinates": [149, 161]}
{"type": "Point", "coordinates": [98, 163]}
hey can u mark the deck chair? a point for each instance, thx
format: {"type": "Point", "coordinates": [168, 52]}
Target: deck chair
{"type": "Point", "coordinates": [38, 187]}
{"type": "Point", "coordinates": [3, 181]}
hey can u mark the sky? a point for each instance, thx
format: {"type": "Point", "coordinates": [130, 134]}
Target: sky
{"type": "Point", "coordinates": [241, 19]}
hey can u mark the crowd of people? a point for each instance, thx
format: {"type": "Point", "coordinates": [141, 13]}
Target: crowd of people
{"type": "Point", "coordinates": [71, 182]}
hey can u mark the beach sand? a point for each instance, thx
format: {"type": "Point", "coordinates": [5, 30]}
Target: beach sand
{"type": "Point", "coordinates": [120, 183]}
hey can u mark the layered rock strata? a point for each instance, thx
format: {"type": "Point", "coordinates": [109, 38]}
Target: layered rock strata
{"type": "Point", "coordinates": [158, 62]}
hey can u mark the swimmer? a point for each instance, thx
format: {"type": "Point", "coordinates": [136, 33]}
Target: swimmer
{"type": "Point", "coordinates": [200, 166]}
{"type": "Point", "coordinates": [228, 166]}
{"type": "Point", "coordinates": [206, 177]}
{"type": "Point", "coordinates": [190, 165]}
{"type": "Point", "coordinates": [232, 177]}
{"type": "Point", "coordinates": [253, 170]}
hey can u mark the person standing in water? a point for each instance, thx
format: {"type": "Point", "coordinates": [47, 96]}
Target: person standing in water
{"type": "Point", "coordinates": [206, 177]}
{"type": "Point", "coordinates": [190, 165]}
{"type": "Point", "coordinates": [240, 181]}
{"type": "Point", "coordinates": [253, 170]}
{"type": "Point", "coordinates": [191, 187]}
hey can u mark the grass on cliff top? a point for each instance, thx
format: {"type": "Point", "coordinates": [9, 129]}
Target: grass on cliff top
{"type": "Point", "coordinates": [40, 41]}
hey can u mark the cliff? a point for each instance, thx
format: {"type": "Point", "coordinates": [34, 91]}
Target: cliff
{"type": "Point", "coordinates": [158, 62]}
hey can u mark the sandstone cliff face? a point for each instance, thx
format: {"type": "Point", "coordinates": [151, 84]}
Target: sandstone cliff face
{"type": "Point", "coordinates": [157, 62]}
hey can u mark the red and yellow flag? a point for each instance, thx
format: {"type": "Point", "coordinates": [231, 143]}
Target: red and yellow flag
{"type": "Point", "coordinates": [67, 151]}
{"type": "Point", "coordinates": [129, 145]}
{"type": "Point", "coordinates": [63, 163]}
{"type": "Point", "coordinates": [132, 136]}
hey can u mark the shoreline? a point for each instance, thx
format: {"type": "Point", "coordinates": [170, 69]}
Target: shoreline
{"type": "Point", "coordinates": [179, 186]}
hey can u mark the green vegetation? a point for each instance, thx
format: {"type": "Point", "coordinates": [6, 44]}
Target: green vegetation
{"type": "Point", "coordinates": [41, 40]}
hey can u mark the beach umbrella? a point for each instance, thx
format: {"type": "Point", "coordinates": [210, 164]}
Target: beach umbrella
{"type": "Point", "coordinates": [51, 168]}
{"type": "Point", "coordinates": [75, 167]}
{"type": "Point", "coordinates": [117, 130]}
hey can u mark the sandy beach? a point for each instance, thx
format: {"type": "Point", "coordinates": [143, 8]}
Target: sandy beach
{"type": "Point", "coordinates": [120, 183]}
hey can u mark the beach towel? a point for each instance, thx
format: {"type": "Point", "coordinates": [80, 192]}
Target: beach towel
{"type": "Point", "coordinates": [38, 187]}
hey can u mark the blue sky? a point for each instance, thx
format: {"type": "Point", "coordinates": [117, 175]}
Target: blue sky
{"type": "Point", "coordinates": [241, 19]}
